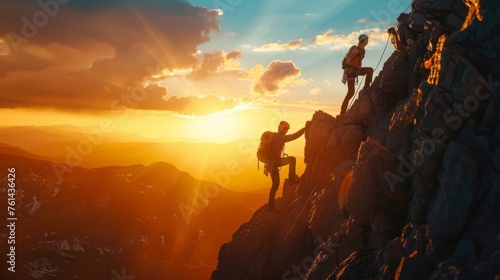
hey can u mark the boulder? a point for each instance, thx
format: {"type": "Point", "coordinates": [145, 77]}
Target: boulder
{"type": "Point", "coordinates": [417, 22]}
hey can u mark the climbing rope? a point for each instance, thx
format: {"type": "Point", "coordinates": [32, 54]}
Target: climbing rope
{"type": "Point", "coordinates": [380, 59]}
{"type": "Point", "coordinates": [296, 219]}
{"type": "Point", "coordinates": [363, 78]}
{"type": "Point", "coordinates": [315, 186]}
{"type": "Point", "coordinates": [407, 8]}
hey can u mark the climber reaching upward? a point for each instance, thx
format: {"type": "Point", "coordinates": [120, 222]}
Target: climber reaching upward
{"type": "Point", "coordinates": [274, 148]}
{"type": "Point", "coordinates": [352, 69]}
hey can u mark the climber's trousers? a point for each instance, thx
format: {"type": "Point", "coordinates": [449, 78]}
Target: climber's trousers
{"type": "Point", "coordinates": [275, 176]}
{"type": "Point", "coordinates": [368, 71]}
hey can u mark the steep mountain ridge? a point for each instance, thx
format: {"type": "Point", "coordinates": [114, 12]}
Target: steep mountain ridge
{"type": "Point", "coordinates": [406, 184]}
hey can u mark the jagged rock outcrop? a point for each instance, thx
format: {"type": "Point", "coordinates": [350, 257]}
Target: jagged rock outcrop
{"type": "Point", "coordinates": [406, 184]}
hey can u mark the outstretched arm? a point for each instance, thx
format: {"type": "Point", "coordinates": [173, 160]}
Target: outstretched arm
{"type": "Point", "coordinates": [291, 137]}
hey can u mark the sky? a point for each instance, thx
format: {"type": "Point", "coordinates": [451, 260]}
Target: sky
{"type": "Point", "coordinates": [205, 70]}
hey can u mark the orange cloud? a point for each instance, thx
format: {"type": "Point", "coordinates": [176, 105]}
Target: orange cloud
{"type": "Point", "coordinates": [155, 98]}
{"type": "Point", "coordinates": [277, 76]}
{"type": "Point", "coordinates": [92, 54]}
{"type": "Point", "coordinates": [216, 62]}
{"type": "Point", "coordinates": [338, 42]}
{"type": "Point", "coordinates": [292, 45]}
{"type": "Point", "coordinates": [199, 106]}
{"type": "Point", "coordinates": [328, 38]}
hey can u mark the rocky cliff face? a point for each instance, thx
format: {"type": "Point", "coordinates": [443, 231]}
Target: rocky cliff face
{"type": "Point", "coordinates": [406, 184]}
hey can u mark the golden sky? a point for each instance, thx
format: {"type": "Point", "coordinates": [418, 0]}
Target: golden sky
{"type": "Point", "coordinates": [166, 68]}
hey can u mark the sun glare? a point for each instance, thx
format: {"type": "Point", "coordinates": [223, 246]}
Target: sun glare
{"type": "Point", "coordinates": [218, 127]}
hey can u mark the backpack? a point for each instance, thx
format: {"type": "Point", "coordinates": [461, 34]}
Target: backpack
{"type": "Point", "coordinates": [344, 61]}
{"type": "Point", "coordinates": [265, 146]}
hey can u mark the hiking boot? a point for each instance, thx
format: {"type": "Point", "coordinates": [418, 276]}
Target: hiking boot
{"type": "Point", "coordinates": [296, 180]}
{"type": "Point", "coordinates": [273, 209]}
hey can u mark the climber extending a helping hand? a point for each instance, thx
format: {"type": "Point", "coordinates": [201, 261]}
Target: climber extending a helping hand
{"type": "Point", "coordinates": [277, 160]}
{"type": "Point", "coordinates": [353, 69]}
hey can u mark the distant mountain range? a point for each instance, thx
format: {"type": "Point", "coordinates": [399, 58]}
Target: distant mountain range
{"type": "Point", "coordinates": [150, 222]}
{"type": "Point", "coordinates": [229, 165]}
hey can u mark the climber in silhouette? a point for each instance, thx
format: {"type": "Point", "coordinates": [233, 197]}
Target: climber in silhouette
{"type": "Point", "coordinates": [354, 69]}
{"type": "Point", "coordinates": [277, 160]}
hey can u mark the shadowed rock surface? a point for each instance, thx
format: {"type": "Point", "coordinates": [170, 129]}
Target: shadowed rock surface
{"type": "Point", "coordinates": [406, 184]}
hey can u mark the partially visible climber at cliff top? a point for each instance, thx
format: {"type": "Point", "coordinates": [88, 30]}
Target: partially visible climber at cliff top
{"type": "Point", "coordinates": [272, 154]}
{"type": "Point", "coordinates": [352, 69]}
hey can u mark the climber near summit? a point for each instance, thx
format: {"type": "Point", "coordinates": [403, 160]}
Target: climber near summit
{"type": "Point", "coordinates": [352, 69]}
{"type": "Point", "coordinates": [276, 160]}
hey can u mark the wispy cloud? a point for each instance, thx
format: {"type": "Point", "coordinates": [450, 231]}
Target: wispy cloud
{"type": "Point", "coordinates": [344, 41]}
{"type": "Point", "coordinates": [367, 20]}
{"type": "Point", "coordinates": [198, 105]}
{"type": "Point", "coordinates": [329, 39]}
{"type": "Point", "coordinates": [292, 45]}
{"type": "Point", "coordinates": [363, 20]}
{"type": "Point", "coordinates": [316, 91]}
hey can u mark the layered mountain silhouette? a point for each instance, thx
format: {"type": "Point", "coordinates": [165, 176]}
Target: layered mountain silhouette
{"type": "Point", "coordinates": [149, 222]}
{"type": "Point", "coordinates": [206, 161]}
{"type": "Point", "coordinates": [406, 183]}
{"type": "Point", "coordinates": [6, 149]}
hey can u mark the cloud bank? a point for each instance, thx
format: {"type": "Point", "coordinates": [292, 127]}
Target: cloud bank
{"type": "Point", "coordinates": [80, 55]}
